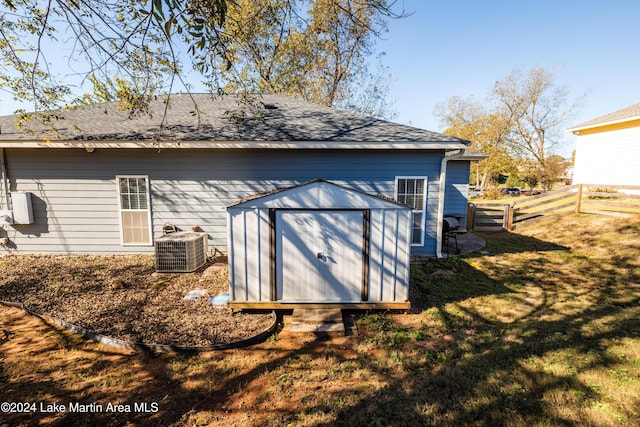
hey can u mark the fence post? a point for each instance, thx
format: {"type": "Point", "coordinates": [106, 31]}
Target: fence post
{"type": "Point", "coordinates": [471, 216]}
{"type": "Point", "coordinates": [512, 212]}
{"type": "Point", "coordinates": [579, 199]}
{"type": "Point", "coordinates": [505, 217]}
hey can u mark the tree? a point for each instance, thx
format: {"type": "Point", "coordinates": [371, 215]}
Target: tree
{"type": "Point", "coordinates": [132, 39]}
{"type": "Point", "coordinates": [486, 129]}
{"type": "Point", "coordinates": [368, 93]}
{"type": "Point", "coordinates": [537, 107]}
{"type": "Point", "coordinates": [556, 168]}
{"type": "Point", "coordinates": [519, 125]}
{"type": "Point", "coordinates": [134, 49]}
{"type": "Point", "coordinates": [315, 51]}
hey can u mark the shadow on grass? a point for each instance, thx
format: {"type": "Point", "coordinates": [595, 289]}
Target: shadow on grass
{"type": "Point", "coordinates": [490, 381]}
{"type": "Point", "coordinates": [503, 242]}
{"type": "Point", "coordinates": [544, 367]}
{"type": "Point", "coordinates": [435, 283]}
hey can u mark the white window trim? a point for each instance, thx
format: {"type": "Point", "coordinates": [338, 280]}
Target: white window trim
{"type": "Point", "coordinates": [424, 203]}
{"type": "Point", "coordinates": [146, 178]}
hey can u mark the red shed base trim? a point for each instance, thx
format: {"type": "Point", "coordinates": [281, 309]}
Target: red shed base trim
{"type": "Point", "coordinates": [274, 305]}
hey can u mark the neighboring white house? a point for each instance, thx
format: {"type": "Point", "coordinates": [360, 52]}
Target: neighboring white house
{"type": "Point", "coordinates": [608, 149]}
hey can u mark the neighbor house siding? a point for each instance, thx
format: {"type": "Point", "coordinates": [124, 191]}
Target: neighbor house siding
{"type": "Point", "coordinates": [76, 203]}
{"type": "Point", "coordinates": [608, 157]}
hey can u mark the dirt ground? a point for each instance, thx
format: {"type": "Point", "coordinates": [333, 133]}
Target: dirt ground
{"type": "Point", "coordinates": [122, 297]}
{"type": "Point", "coordinates": [40, 363]}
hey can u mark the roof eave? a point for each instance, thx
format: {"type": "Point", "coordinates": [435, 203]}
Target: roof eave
{"type": "Point", "coordinates": [578, 128]}
{"type": "Point", "coordinates": [473, 157]}
{"type": "Point", "coordinates": [190, 144]}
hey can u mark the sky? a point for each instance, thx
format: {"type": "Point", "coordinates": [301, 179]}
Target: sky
{"type": "Point", "coordinates": [462, 47]}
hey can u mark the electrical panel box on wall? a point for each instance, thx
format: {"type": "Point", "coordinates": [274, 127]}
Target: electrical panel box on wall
{"type": "Point", "coordinates": [6, 217]}
{"type": "Point", "coordinates": [22, 208]}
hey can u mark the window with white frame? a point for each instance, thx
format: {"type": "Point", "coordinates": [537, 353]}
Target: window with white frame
{"type": "Point", "coordinates": [135, 215]}
{"type": "Point", "coordinates": [412, 191]}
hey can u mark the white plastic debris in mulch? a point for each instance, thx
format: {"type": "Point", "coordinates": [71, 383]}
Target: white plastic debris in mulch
{"type": "Point", "coordinates": [195, 294]}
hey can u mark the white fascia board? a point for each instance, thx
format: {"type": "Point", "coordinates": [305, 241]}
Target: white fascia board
{"type": "Point", "coordinates": [602, 124]}
{"type": "Point", "coordinates": [422, 145]}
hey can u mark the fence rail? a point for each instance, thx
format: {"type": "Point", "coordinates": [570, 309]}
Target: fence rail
{"type": "Point", "coordinates": [618, 200]}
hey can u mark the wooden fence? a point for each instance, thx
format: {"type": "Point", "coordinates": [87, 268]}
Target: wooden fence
{"type": "Point", "coordinates": [618, 200]}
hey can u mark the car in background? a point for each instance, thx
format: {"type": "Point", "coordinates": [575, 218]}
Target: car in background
{"type": "Point", "coordinates": [511, 191]}
{"type": "Point", "coordinates": [474, 192]}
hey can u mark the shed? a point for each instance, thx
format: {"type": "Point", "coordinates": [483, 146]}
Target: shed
{"type": "Point", "coordinates": [319, 243]}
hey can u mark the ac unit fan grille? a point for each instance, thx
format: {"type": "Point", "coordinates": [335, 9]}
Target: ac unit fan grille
{"type": "Point", "coordinates": [180, 252]}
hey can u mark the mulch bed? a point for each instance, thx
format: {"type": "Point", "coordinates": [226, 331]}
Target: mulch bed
{"type": "Point", "coordinates": [121, 297]}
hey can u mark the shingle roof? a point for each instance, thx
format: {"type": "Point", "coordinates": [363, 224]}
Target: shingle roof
{"type": "Point", "coordinates": [279, 119]}
{"type": "Point", "coordinates": [617, 116]}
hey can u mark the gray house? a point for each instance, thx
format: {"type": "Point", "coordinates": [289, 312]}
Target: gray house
{"type": "Point", "coordinates": [107, 183]}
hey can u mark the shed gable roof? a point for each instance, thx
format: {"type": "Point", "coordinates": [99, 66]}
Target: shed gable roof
{"type": "Point", "coordinates": [202, 120]}
{"type": "Point", "coordinates": [626, 114]}
{"type": "Point", "coordinates": [317, 194]}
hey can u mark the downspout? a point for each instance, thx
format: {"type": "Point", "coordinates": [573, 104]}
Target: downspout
{"type": "Point", "coordinates": [441, 193]}
{"type": "Point", "coordinates": [5, 180]}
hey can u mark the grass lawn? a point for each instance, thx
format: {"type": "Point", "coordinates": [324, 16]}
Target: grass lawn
{"type": "Point", "coordinates": [542, 329]}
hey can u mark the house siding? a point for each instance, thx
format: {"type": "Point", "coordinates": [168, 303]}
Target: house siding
{"type": "Point", "coordinates": [75, 197]}
{"type": "Point", "coordinates": [608, 157]}
{"type": "Point", "coordinates": [457, 189]}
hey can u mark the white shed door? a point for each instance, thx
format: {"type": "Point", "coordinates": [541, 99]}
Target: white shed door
{"type": "Point", "coordinates": [319, 256]}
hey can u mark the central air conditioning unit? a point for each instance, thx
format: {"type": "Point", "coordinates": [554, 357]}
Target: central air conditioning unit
{"type": "Point", "coordinates": [180, 252]}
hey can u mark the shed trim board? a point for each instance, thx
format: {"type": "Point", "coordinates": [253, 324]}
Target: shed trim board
{"type": "Point", "coordinates": [277, 254]}
{"type": "Point", "coordinates": [274, 305]}
{"type": "Point", "coordinates": [366, 250]}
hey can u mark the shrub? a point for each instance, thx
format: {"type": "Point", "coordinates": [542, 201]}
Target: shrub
{"type": "Point", "coordinates": [492, 193]}
{"type": "Point", "coordinates": [601, 190]}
